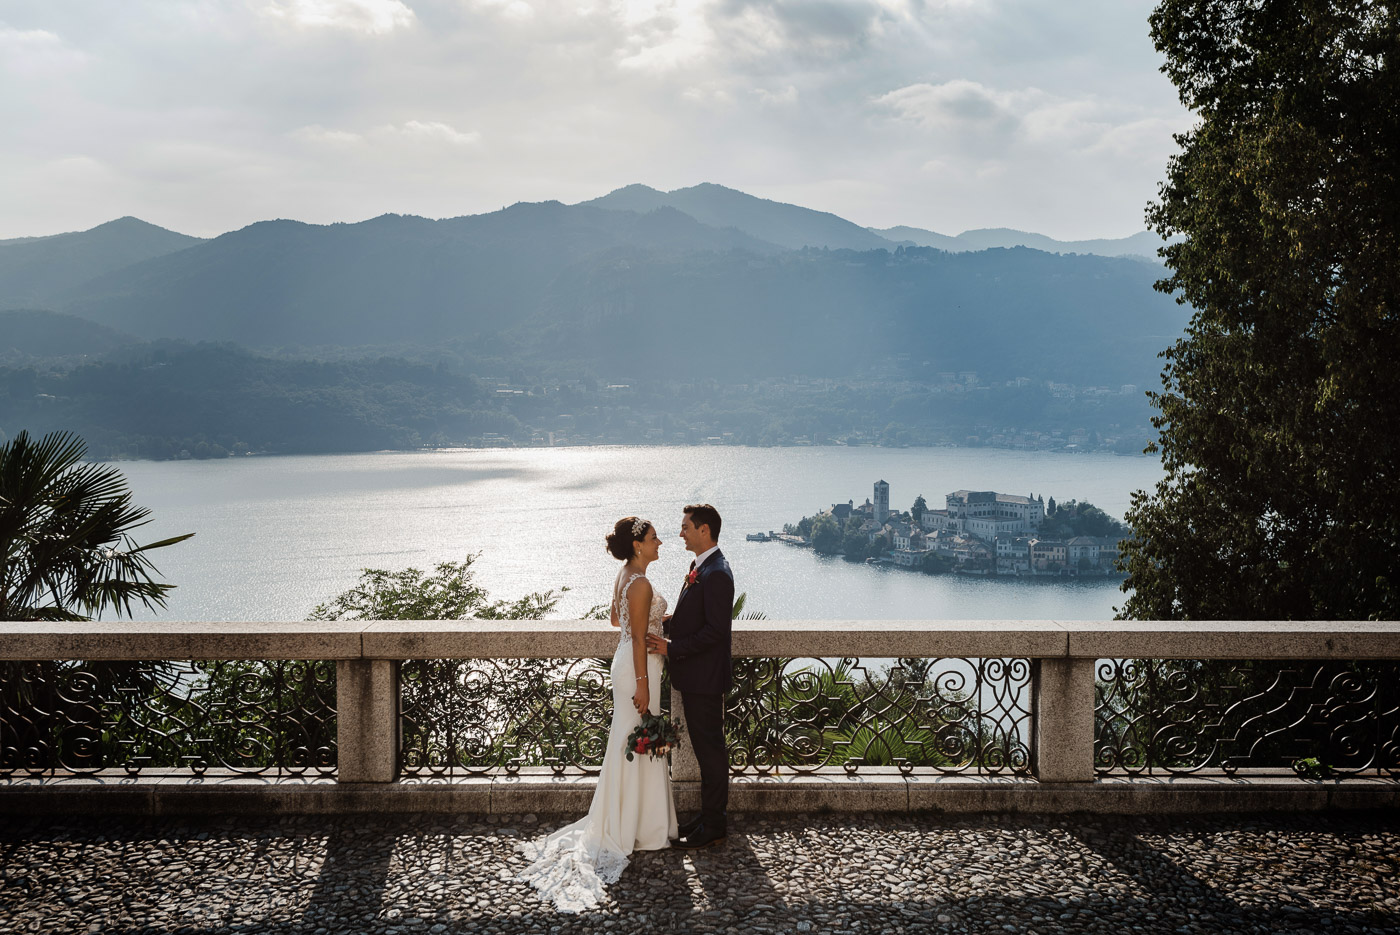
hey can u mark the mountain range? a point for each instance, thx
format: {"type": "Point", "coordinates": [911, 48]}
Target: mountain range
{"type": "Point", "coordinates": [38, 271]}
{"type": "Point", "coordinates": [621, 284]}
{"type": "Point", "coordinates": [795, 227]}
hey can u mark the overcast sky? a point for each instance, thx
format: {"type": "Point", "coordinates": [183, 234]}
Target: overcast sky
{"type": "Point", "coordinates": [207, 115]}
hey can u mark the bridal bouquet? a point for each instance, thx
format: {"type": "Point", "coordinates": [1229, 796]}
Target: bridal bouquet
{"type": "Point", "coordinates": [655, 736]}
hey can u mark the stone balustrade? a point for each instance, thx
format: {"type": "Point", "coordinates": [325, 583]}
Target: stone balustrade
{"type": "Point", "coordinates": [1060, 775]}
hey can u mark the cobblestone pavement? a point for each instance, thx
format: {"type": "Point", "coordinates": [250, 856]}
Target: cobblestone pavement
{"type": "Point", "coordinates": [866, 874]}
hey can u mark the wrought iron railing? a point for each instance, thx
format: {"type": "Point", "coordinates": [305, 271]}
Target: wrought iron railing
{"type": "Point", "coordinates": [1062, 702]}
{"type": "Point", "coordinates": [84, 717]}
{"type": "Point", "coordinates": [1182, 716]}
{"type": "Point", "coordinates": [938, 715]}
{"type": "Point", "coordinates": [474, 717]}
{"type": "Point", "coordinates": [479, 716]}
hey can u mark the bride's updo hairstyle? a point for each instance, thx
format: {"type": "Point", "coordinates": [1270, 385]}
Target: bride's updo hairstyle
{"type": "Point", "coordinates": [626, 531]}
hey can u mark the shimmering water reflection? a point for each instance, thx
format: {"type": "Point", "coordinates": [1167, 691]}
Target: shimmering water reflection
{"type": "Point", "coordinates": [275, 536]}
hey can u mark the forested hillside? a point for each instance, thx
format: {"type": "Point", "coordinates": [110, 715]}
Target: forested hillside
{"type": "Point", "coordinates": [626, 319]}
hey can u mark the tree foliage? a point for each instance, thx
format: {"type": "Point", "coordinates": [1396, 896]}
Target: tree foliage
{"type": "Point", "coordinates": [826, 534]}
{"type": "Point", "coordinates": [450, 593]}
{"type": "Point", "coordinates": [1081, 518]}
{"type": "Point", "coordinates": [1280, 413]}
{"type": "Point", "coordinates": [66, 551]}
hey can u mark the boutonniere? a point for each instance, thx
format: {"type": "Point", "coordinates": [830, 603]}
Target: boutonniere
{"type": "Point", "coordinates": [692, 577]}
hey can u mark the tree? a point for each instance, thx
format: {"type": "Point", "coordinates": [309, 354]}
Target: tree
{"type": "Point", "coordinates": [853, 545]}
{"type": "Point", "coordinates": [1081, 518]}
{"type": "Point", "coordinates": [936, 563]}
{"type": "Point", "coordinates": [917, 510]}
{"type": "Point", "coordinates": [448, 594]}
{"type": "Point", "coordinates": [66, 551]}
{"type": "Point", "coordinates": [1279, 417]}
{"type": "Point", "coordinates": [478, 714]}
{"type": "Point", "coordinates": [826, 534]}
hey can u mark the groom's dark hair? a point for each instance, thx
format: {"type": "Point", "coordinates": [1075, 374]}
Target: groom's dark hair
{"type": "Point", "coordinates": [702, 514]}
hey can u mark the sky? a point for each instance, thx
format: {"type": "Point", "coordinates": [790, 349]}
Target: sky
{"type": "Point", "coordinates": [205, 116]}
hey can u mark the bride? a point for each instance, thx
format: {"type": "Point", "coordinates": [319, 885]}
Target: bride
{"type": "Point", "coordinates": [632, 807]}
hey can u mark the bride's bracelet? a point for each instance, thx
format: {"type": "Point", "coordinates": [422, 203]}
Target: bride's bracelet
{"type": "Point", "coordinates": [641, 678]}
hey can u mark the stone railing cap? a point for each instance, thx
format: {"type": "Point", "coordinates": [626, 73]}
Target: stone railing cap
{"type": "Point", "coordinates": [153, 639]}
{"type": "Point", "coordinates": [401, 639]}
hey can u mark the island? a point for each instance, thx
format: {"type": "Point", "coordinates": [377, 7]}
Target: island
{"type": "Point", "coordinates": [978, 532]}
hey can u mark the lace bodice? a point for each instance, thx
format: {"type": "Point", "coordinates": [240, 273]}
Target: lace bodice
{"type": "Point", "coordinates": [658, 610]}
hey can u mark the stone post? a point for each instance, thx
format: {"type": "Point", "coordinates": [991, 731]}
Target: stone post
{"type": "Point", "coordinates": [684, 766]}
{"type": "Point", "coordinates": [1063, 708]}
{"type": "Point", "coordinates": [367, 715]}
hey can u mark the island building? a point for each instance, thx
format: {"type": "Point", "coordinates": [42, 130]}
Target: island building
{"type": "Point", "coordinates": [1082, 548]}
{"type": "Point", "coordinates": [882, 501]}
{"type": "Point", "coordinates": [1023, 555]}
{"type": "Point", "coordinates": [911, 553]}
{"type": "Point", "coordinates": [901, 533]}
{"type": "Point", "coordinates": [1048, 554]}
{"type": "Point", "coordinates": [1014, 555]}
{"type": "Point", "coordinates": [986, 514]}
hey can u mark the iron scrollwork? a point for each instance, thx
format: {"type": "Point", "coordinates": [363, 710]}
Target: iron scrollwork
{"type": "Point", "coordinates": [249, 717]}
{"type": "Point", "coordinates": [478, 716]}
{"type": "Point", "coordinates": [1183, 716]}
{"type": "Point", "coordinates": [945, 715]}
{"type": "Point", "coordinates": [481, 716]}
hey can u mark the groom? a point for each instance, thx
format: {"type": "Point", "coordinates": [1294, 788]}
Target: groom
{"type": "Point", "coordinates": [698, 650]}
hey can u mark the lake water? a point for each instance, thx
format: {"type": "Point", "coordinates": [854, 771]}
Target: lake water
{"type": "Point", "coordinates": [275, 536]}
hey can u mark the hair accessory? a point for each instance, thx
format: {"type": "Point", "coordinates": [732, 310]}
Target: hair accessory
{"type": "Point", "coordinates": [638, 525]}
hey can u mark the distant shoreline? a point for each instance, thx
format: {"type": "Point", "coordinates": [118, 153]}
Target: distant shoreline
{"type": "Point", "coordinates": [461, 448]}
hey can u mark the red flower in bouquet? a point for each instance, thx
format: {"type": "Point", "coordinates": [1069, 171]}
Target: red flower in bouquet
{"type": "Point", "coordinates": [654, 736]}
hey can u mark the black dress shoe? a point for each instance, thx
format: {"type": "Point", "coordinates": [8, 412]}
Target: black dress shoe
{"type": "Point", "coordinates": [686, 828]}
{"type": "Point", "coordinates": [702, 837]}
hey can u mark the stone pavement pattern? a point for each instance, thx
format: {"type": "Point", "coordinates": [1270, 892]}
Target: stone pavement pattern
{"type": "Point", "coordinates": [1335, 873]}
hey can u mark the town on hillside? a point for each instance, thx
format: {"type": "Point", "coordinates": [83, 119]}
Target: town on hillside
{"type": "Point", "coordinates": [978, 532]}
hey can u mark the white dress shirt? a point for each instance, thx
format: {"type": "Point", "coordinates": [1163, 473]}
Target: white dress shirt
{"type": "Point", "coordinates": [700, 559]}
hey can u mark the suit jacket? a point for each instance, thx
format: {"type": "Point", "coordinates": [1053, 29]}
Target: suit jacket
{"type": "Point", "coordinates": [700, 630]}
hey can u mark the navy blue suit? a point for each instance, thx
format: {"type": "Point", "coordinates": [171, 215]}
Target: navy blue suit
{"type": "Point", "coordinates": [700, 631]}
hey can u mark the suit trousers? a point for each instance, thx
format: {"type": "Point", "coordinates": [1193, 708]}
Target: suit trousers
{"type": "Point", "coordinates": [704, 721]}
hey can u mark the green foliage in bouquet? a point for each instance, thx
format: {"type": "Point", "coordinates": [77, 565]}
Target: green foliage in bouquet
{"type": "Point", "coordinates": [655, 736]}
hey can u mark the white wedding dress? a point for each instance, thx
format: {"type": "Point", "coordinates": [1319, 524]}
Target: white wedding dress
{"type": "Point", "coordinates": [632, 807]}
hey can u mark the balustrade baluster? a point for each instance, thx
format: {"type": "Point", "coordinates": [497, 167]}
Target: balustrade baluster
{"type": "Point", "coordinates": [367, 719]}
{"type": "Point", "coordinates": [1064, 720]}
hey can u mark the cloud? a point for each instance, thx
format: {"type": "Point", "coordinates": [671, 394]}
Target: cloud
{"type": "Point", "coordinates": [780, 98]}
{"type": "Point", "coordinates": [428, 132]}
{"type": "Point", "coordinates": [1150, 138]}
{"type": "Point", "coordinates": [372, 17]}
{"type": "Point", "coordinates": [749, 36]}
{"type": "Point", "coordinates": [953, 105]}
{"type": "Point", "coordinates": [324, 136]}
{"type": "Point", "coordinates": [967, 113]}
{"type": "Point", "coordinates": [508, 9]}
{"type": "Point", "coordinates": [411, 134]}
{"type": "Point", "coordinates": [36, 53]}
{"type": "Point", "coordinates": [884, 111]}
{"type": "Point", "coordinates": [662, 35]}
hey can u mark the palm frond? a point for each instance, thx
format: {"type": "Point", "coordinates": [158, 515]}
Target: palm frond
{"type": "Point", "coordinates": [66, 551]}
